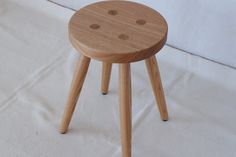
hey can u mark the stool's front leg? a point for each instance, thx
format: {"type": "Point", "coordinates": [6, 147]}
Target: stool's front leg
{"type": "Point", "coordinates": [155, 79]}
{"type": "Point", "coordinates": [106, 74]}
{"type": "Point", "coordinates": [76, 86]}
{"type": "Point", "coordinates": [125, 109]}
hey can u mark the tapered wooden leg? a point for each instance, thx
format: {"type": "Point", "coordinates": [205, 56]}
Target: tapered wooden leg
{"type": "Point", "coordinates": [76, 86]}
{"type": "Point", "coordinates": [106, 74]}
{"type": "Point", "coordinates": [155, 79]}
{"type": "Point", "coordinates": [125, 109]}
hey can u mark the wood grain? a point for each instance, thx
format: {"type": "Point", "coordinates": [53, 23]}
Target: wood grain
{"type": "Point", "coordinates": [75, 90]}
{"type": "Point", "coordinates": [155, 78]}
{"type": "Point", "coordinates": [118, 31]}
{"type": "Point", "coordinates": [106, 75]}
{"type": "Point", "coordinates": [125, 109]}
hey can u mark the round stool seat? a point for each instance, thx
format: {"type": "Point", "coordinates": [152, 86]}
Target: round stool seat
{"type": "Point", "coordinates": [118, 31]}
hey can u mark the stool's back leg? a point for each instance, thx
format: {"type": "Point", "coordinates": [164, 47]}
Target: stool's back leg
{"type": "Point", "coordinates": [106, 74]}
{"type": "Point", "coordinates": [76, 86]}
{"type": "Point", "coordinates": [155, 79]}
{"type": "Point", "coordinates": [125, 109]}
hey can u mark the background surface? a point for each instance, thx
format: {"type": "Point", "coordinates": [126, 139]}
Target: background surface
{"type": "Point", "coordinates": [36, 68]}
{"type": "Point", "coordinates": [202, 27]}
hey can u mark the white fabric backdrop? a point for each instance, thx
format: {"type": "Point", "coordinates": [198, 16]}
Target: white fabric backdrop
{"type": "Point", "coordinates": [36, 68]}
{"type": "Point", "coordinates": [202, 27]}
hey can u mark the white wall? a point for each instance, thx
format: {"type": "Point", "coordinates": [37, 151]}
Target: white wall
{"type": "Point", "coordinates": [203, 27]}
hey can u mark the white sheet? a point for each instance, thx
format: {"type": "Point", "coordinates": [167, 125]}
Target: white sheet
{"type": "Point", "coordinates": [36, 68]}
{"type": "Point", "coordinates": [203, 27]}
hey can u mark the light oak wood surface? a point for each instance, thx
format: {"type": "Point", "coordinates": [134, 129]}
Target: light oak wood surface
{"type": "Point", "coordinates": [155, 79]}
{"type": "Point", "coordinates": [118, 31]}
{"type": "Point", "coordinates": [76, 86]}
{"type": "Point", "coordinates": [125, 108]}
{"type": "Point", "coordinates": [106, 75]}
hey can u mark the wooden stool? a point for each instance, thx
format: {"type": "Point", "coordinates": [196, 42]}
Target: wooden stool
{"type": "Point", "coordinates": [117, 32]}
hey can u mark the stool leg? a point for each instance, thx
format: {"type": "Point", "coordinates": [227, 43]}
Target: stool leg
{"type": "Point", "coordinates": [76, 86]}
{"type": "Point", "coordinates": [155, 78]}
{"type": "Point", "coordinates": [125, 109]}
{"type": "Point", "coordinates": [106, 74]}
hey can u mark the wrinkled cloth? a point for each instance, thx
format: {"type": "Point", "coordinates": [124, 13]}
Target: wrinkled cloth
{"type": "Point", "coordinates": [36, 68]}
